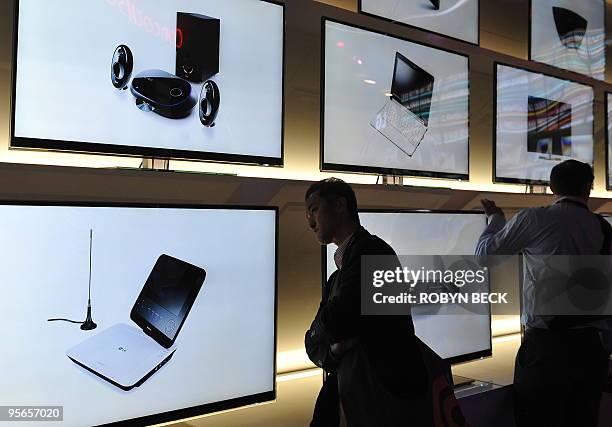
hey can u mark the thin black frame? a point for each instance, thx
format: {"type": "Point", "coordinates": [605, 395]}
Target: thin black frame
{"type": "Point", "coordinates": [607, 136]}
{"type": "Point", "coordinates": [208, 408]}
{"type": "Point", "coordinates": [338, 167]}
{"type": "Point", "coordinates": [404, 24]}
{"type": "Point", "coordinates": [451, 360]}
{"type": "Point", "coordinates": [554, 66]}
{"type": "Point", "coordinates": [525, 181]}
{"type": "Point", "coordinates": [95, 148]}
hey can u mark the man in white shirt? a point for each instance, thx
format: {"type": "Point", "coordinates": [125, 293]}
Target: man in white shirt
{"type": "Point", "coordinates": [561, 367]}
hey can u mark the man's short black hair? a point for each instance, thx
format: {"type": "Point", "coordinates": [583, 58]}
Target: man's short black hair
{"type": "Point", "coordinates": [332, 189]}
{"type": "Point", "coordinates": [571, 178]}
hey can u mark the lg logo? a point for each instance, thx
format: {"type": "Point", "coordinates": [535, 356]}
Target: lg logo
{"type": "Point", "coordinates": [122, 349]}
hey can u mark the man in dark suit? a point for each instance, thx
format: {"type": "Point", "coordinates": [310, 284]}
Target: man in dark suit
{"type": "Point", "coordinates": [374, 372]}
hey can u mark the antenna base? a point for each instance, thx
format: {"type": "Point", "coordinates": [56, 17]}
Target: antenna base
{"type": "Point", "coordinates": [88, 324]}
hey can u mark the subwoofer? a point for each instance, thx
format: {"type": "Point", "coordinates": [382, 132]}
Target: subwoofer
{"type": "Point", "coordinates": [197, 46]}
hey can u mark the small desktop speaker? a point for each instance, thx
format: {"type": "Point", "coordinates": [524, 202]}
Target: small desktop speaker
{"type": "Point", "coordinates": [122, 66]}
{"type": "Point", "coordinates": [210, 99]}
{"type": "Point", "coordinates": [197, 46]}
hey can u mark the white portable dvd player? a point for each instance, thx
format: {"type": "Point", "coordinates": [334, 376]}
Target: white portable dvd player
{"type": "Point", "coordinates": [127, 356]}
{"type": "Point", "coordinates": [122, 355]}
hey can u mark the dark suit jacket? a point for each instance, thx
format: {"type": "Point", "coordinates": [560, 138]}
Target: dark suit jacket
{"type": "Point", "coordinates": [382, 372]}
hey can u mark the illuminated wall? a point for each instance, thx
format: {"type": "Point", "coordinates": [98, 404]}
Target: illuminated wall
{"type": "Point", "coordinates": [504, 32]}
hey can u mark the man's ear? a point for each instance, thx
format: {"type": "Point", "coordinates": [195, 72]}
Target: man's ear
{"type": "Point", "coordinates": [552, 188]}
{"type": "Point", "coordinates": [341, 205]}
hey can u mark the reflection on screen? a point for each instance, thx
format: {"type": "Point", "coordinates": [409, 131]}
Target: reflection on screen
{"type": "Point", "coordinates": [549, 126]}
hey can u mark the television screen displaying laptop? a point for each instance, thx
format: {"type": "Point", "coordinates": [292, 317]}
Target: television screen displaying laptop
{"type": "Point", "coordinates": [392, 106]}
{"type": "Point", "coordinates": [182, 305]}
{"type": "Point", "coordinates": [452, 18]}
{"type": "Point", "coordinates": [454, 337]}
{"type": "Point", "coordinates": [569, 34]}
{"type": "Point", "coordinates": [193, 79]}
{"type": "Point", "coordinates": [541, 121]}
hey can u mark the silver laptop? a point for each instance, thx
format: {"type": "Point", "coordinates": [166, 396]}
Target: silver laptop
{"type": "Point", "coordinates": [404, 118]}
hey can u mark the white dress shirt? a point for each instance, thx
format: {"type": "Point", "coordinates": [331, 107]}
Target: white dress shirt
{"type": "Point", "coordinates": [559, 229]}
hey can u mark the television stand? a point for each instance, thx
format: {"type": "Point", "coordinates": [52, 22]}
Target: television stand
{"type": "Point", "coordinates": [151, 163]}
{"type": "Point", "coordinates": [459, 381]}
{"type": "Point", "coordinates": [536, 189]}
{"type": "Point", "coordinates": [391, 180]}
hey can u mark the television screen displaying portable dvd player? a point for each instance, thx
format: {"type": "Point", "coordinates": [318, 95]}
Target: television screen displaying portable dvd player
{"type": "Point", "coordinates": [139, 313]}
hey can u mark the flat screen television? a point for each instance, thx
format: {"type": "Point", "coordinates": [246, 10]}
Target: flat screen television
{"type": "Point", "coordinates": [194, 285]}
{"type": "Point", "coordinates": [540, 121]}
{"type": "Point", "coordinates": [457, 19]}
{"type": "Point", "coordinates": [570, 35]}
{"type": "Point", "coordinates": [194, 79]}
{"type": "Point", "coordinates": [608, 141]}
{"type": "Point", "coordinates": [455, 337]}
{"type": "Point", "coordinates": [392, 106]}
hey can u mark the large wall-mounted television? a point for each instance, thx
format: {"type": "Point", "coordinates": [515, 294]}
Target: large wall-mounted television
{"type": "Point", "coordinates": [457, 19]}
{"type": "Point", "coordinates": [569, 34]}
{"type": "Point", "coordinates": [540, 121]}
{"type": "Point", "coordinates": [189, 291]}
{"type": "Point", "coordinates": [194, 79]}
{"type": "Point", "coordinates": [456, 336]}
{"type": "Point", "coordinates": [608, 142]}
{"type": "Point", "coordinates": [392, 106]}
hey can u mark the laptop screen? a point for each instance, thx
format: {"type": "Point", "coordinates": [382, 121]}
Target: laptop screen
{"type": "Point", "coordinates": [412, 87]}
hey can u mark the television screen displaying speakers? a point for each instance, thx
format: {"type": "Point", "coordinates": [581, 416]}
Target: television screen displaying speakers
{"type": "Point", "coordinates": [137, 314]}
{"type": "Point", "coordinates": [455, 335]}
{"type": "Point", "coordinates": [392, 106]}
{"type": "Point", "coordinates": [569, 34]}
{"type": "Point", "coordinates": [540, 121]}
{"type": "Point", "coordinates": [451, 18]}
{"type": "Point", "coordinates": [195, 79]}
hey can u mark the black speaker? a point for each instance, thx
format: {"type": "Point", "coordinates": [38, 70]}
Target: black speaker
{"type": "Point", "coordinates": [197, 46]}
{"type": "Point", "coordinates": [122, 66]}
{"type": "Point", "coordinates": [163, 93]}
{"type": "Point", "coordinates": [210, 98]}
{"type": "Point", "coordinates": [571, 27]}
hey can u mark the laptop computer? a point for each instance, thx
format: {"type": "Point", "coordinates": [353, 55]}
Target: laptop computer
{"type": "Point", "coordinates": [125, 355]}
{"type": "Point", "coordinates": [404, 118]}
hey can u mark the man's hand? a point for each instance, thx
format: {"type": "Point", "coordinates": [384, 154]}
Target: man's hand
{"type": "Point", "coordinates": [490, 207]}
{"type": "Point", "coordinates": [339, 348]}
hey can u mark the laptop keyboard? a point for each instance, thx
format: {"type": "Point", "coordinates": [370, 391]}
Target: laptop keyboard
{"type": "Point", "coordinates": [400, 126]}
